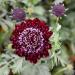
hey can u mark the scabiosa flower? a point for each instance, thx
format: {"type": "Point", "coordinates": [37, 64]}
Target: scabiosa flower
{"type": "Point", "coordinates": [58, 10]}
{"type": "Point", "coordinates": [31, 39]}
{"type": "Point", "coordinates": [18, 14]}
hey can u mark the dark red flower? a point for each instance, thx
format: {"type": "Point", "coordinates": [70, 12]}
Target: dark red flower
{"type": "Point", "coordinates": [31, 39]}
{"type": "Point", "coordinates": [58, 10]}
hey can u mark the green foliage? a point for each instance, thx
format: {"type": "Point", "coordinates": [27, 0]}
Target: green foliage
{"type": "Point", "coordinates": [4, 70]}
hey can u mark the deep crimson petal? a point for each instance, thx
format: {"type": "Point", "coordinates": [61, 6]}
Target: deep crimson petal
{"type": "Point", "coordinates": [48, 34]}
{"type": "Point", "coordinates": [45, 53]}
{"type": "Point", "coordinates": [31, 39]}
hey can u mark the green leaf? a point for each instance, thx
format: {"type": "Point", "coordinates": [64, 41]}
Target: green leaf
{"type": "Point", "coordinates": [39, 10]}
{"type": "Point", "coordinates": [58, 1]}
{"type": "Point", "coordinates": [25, 1]}
{"type": "Point", "coordinates": [34, 1]}
{"type": "Point", "coordinates": [4, 70]}
{"type": "Point", "coordinates": [43, 70]}
{"type": "Point", "coordinates": [17, 66]}
{"type": "Point", "coordinates": [29, 69]}
{"type": "Point", "coordinates": [4, 26]}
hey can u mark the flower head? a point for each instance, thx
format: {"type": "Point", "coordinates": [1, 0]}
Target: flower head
{"type": "Point", "coordinates": [31, 39]}
{"type": "Point", "coordinates": [18, 14]}
{"type": "Point", "coordinates": [58, 10]}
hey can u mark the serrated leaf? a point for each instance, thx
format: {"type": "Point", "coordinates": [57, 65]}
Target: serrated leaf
{"type": "Point", "coordinates": [17, 66]}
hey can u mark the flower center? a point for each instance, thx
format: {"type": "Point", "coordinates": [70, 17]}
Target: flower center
{"type": "Point", "coordinates": [32, 39]}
